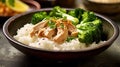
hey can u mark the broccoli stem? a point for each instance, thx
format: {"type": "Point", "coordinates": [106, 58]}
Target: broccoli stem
{"type": "Point", "coordinates": [74, 20]}
{"type": "Point", "coordinates": [60, 12]}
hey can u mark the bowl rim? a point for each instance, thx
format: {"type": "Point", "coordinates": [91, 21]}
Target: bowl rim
{"type": "Point", "coordinates": [100, 3]}
{"type": "Point", "coordinates": [107, 43]}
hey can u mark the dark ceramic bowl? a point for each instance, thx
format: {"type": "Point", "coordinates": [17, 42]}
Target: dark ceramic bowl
{"type": "Point", "coordinates": [105, 8]}
{"type": "Point", "coordinates": [14, 23]}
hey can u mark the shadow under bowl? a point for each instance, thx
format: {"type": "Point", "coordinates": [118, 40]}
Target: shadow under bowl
{"type": "Point", "coordinates": [14, 23]}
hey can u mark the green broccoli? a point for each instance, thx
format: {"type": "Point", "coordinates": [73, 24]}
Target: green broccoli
{"type": "Point", "coordinates": [39, 16]}
{"type": "Point", "coordinates": [3, 1]}
{"type": "Point", "coordinates": [89, 26]}
{"type": "Point", "coordinates": [77, 13]}
{"type": "Point", "coordinates": [60, 12]}
{"type": "Point", "coordinates": [57, 12]}
{"type": "Point", "coordinates": [69, 38]}
{"type": "Point", "coordinates": [85, 36]}
{"type": "Point", "coordinates": [90, 32]}
{"type": "Point", "coordinates": [88, 16]}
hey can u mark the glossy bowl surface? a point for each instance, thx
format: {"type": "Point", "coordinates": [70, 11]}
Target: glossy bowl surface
{"type": "Point", "coordinates": [14, 23]}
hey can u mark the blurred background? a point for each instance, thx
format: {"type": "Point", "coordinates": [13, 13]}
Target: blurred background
{"type": "Point", "coordinates": [62, 3]}
{"type": "Point", "coordinates": [9, 8]}
{"type": "Point", "coordinates": [110, 8]}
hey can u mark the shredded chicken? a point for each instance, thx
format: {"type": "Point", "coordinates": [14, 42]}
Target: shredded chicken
{"type": "Point", "coordinates": [49, 33]}
{"type": "Point", "coordinates": [64, 28]}
{"type": "Point", "coordinates": [72, 29]}
{"type": "Point", "coordinates": [41, 32]}
{"type": "Point", "coordinates": [62, 33]}
{"type": "Point", "coordinates": [37, 27]}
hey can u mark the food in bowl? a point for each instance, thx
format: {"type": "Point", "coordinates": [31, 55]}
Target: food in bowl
{"type": "Point", "coordinates": [16, 22]}
{"type": "Point", "coordinates": [12, 7]}
{"type": "Point", "coordinates": [62, 30]}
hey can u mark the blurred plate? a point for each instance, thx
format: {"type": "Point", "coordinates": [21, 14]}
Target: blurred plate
{"type": "Point", "coordinates": [34, 5]}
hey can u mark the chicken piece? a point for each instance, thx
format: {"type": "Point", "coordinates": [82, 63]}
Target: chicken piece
{"type": "Point", "coordinates": [49, 33]}
{"type": "Point", "coordinates": [46, 32]}
{"type": "Point", "coordinates": [74, 34]}
{"type": "Point", "coordinates": [72, 29]}
{"type": "Point", "coordinates": [62, 33]}
{"type": "Point", "coordinates": [41, 32]}
{"type": "Point", "coordinates": [37, 27]}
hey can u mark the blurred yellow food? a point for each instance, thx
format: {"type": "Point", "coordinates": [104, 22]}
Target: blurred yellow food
{"type": "Point", "coordinates": [19, 6]}
{"type": "Point", "coordinates": [6, 11]}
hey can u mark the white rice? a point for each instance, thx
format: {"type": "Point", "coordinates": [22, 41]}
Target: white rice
{"type": "Point", "coordinates": [23, 35]}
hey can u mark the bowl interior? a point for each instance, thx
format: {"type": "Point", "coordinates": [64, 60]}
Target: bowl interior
{"type": "Point", "coordinates": [17, 23]}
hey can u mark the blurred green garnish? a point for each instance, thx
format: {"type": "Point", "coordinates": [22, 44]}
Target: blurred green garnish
{"type": "Point", "coordinates": [51, 24]}
{"type": "Point", "coordinates": [3, 1]}
{"type": "Point", "coordinates": [70, 38]}
{"type": "Point", "coordinates": [11, 2]}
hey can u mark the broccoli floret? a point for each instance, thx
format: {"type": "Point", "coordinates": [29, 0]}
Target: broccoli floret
{"type": "Point", "coordinates": [88, 16]}
{"type": "Point", "coordinates": [77, 13]}
{"type": "Point", "coordinates": [61, 12]}
{"type": "Point", "coordinates": [90, 28]}
{"type": "Point", "coordinates": [90, 32]}
{"type": "Point", "coordinates": [99, 30]}
{"type": "Point", "coordinates": [57, 12]}
{"type": "Point", "coordinates": [72, 13]}
{"type": "Point", "coordinates": [39, 16]}
{"type": "Point", "coordinates": [82, 15]}
{"type": "Point", "coordinates": [85, 36]}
